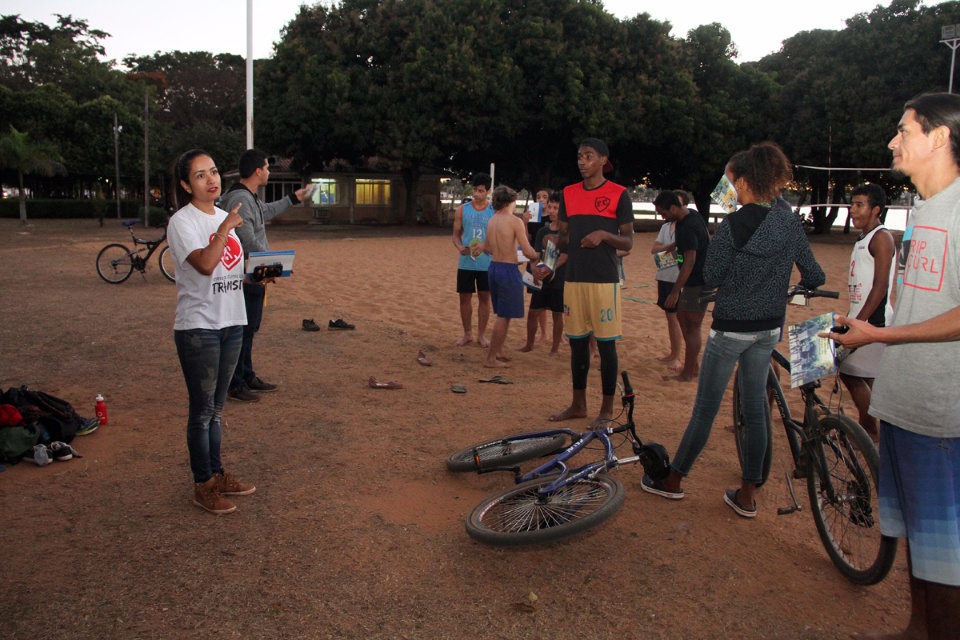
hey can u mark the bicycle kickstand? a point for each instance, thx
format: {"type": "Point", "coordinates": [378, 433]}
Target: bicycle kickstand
{"type": "Point", "coordinates": [782, 511]}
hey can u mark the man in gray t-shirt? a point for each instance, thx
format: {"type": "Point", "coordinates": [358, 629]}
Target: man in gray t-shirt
{"type": "Point", "coordinates": [916, 394]}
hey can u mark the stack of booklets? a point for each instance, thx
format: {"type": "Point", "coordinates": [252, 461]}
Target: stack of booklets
{"type": "Point", "coordinates": [811, 357]}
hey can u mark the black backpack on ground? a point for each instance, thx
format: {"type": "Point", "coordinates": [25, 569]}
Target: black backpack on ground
{"type": "Point", "coordinates": [54, 417]}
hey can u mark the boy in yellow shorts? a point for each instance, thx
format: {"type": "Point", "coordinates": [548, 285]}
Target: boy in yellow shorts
{"type": "Point", "coordinates": [596, 220]}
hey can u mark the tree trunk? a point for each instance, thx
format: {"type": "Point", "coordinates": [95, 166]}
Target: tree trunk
{"type": "Point", "coordinates": [411, 179]}
{"type": "Point", "coordinates": [23, 200]}
{"type": "Point", "coordinates": [702, 200]}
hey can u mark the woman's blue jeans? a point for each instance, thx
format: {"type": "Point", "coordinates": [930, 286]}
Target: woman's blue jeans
{"type": "Point", "coordinates": [723, 351]}
{"type": "Point", "coordinates": [208, 358]}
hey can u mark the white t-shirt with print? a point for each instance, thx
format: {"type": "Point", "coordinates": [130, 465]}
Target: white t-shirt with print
{"type": "Point", "coordinates": [206, 302]}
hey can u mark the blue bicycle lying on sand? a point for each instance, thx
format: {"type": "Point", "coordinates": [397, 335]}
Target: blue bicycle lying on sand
{"type": "Point", "coordinates": [555, 500]}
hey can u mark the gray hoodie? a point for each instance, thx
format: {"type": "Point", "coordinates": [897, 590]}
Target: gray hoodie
{"type": "Point", "coordinates": [750, 261]}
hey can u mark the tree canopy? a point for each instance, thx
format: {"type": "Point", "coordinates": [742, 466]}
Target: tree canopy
{"type": "Point", "coordinates": [455, 85]}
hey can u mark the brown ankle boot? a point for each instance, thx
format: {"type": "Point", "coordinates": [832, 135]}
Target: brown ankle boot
{"type": "Point", "coordinates": [230, 486]}
{"type": "Point", "coordinates": [206, 495]}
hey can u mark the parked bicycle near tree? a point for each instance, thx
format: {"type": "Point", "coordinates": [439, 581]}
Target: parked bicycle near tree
{"type": "Point", "coordinates": [116, 261]}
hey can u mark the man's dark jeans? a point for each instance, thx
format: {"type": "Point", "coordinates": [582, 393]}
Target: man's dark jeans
{"type": "Point", "coordinates": [253, 298]}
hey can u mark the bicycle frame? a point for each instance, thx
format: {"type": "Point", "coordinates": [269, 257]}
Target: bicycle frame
{"type": "Point", "coordinates": [151, 245]}
{"type": "Point", "coordinates": [580, 441]}
{"type": "Point", "coordinates": [798, 434]}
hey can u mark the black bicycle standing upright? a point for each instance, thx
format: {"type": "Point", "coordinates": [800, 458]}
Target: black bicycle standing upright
{"type": "Point", "coordinates": [840, 464]}
{"type": "Point", "coordinates": [116, 261]}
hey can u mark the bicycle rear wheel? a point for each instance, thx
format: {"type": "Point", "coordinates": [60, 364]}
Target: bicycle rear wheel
{"type": "Point", "coordinates": [844, 503]}
{"type": "Point", "coordinates": [505, 452]}
{"type": "Point", "coordinates": [115, 263]}
{"type": "Point", "coordinates": [740, 430]}
{"type": "Point", "coordinates": [167, 264]}
{"type": "Point", "coordinates": [522, 516]}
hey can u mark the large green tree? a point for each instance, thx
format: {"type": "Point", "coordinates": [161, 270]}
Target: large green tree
{"type": "Point", "coordinates": [843, 93]}
{"type": "Point", "coordinates": [25, 156]}
{"type": "Point", "coordinates": [54, 84]}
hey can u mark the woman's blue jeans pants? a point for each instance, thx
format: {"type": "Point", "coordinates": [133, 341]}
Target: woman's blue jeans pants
{"type": "Point", "coordinates": [208, 358]}
{"type": "Point", "coordinates": [723, 351]}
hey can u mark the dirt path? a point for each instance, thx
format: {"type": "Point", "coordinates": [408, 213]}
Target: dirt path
{"type": "Point", "coordinates": [356, 529]}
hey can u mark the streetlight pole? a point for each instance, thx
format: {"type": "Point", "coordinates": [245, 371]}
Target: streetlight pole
{"type": "Point", "coordinates": [116, 160]}
{"type": "Point", "coordinates": [146, 156]}
{"type": "Point", "coordinates": [249, 74]}
{"type": "Point", "coordinates": [950, 36]}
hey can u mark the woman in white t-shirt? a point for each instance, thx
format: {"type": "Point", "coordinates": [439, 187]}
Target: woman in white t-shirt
{"type": "Point", "coordinates": [208, 328]}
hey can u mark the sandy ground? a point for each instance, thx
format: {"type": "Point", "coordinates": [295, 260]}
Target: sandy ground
{"type": "Point", "coordinates": [356, 528]}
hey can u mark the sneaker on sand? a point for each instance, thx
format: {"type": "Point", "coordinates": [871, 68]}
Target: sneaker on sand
{"type": "Point", "coordinates": [207, 496]}
{"type": "Point", "coordinates": [39, 455]}
{"type": "Point", "coordinates": [243, 394]}
{"type": "Point", "coordinates": [230, 486]}
{"type": "Point", "coordinates": [259, 385]}
{"type": "Point", "coordinates": [310, 325]}
{"type": "Point", "coordinates": [88, 426]}
{"type": "Point", "coordinates": [340, 323]}
{"type": "Point", "coordinates": [62, 451]}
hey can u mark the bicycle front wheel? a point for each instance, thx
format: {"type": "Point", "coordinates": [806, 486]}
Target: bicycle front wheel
{"type": "Point", "coordinates": [740, 430]}
{"type": "Point", "coordinates": [523, 516]}
{"type": "Point", "coordinates": [505, 452]}
{"type": "Point", "coordinates": [167, 264]}
{"type": "Point", "coordinates": [842, 484]}
{"type": "Point", "coordinates": [115, 263]}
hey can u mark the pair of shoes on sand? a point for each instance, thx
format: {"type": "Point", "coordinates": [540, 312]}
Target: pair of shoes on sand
{"type": "Point", "coordinates": [245, 392]}
{"type": "Point", "coordinates": [333, 325]}
{"type": "Point", "coordinates": [731, 498]}
{"type": "Point", "coordinates": [209, 495]}
{"type": "Point", "coordinates": [42, 455]}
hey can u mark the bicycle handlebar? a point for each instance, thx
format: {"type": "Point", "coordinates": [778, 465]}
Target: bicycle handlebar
{"type": "Point", "coordinates": [795, 290]}
{"type": "Point", "coordinates": [627, 389]}
{"type": "Point", "coordinates": [800, 290]}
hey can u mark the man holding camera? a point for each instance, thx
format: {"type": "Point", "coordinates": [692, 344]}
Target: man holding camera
{"type": "Point", "coordinates": [254, 173]}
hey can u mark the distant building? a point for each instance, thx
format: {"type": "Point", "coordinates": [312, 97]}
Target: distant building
{"type": "Point", "coordinates": [373, 194]}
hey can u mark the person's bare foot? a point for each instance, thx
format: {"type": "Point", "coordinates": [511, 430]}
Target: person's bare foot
{"type": "Point", "coordinates": [667, 357]}
{"type": "Point", "coordinates": [495, 364]}
{"type": "Point", "coordinates": [526, 348]}
{"type": "Point", "coordinates": [482, 340]}
{"type": "Point", "coordinates": [554, 354]}
{"type": "Point", "coordinates": [680, 377]}
{"type": "Point", "coordinates": [464, 341]}
{"type": "Point", "coordinates": [569, 413]}
{"type": "Point", "coordinates": [503, 358]}
{"type": "Point", "coordinates": [676, 365]}
{"type": "Point", "coordinates": [542, 338]}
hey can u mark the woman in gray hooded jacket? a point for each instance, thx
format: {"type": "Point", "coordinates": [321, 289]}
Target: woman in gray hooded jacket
{"type": "Point", "coordinates": [750, 262]}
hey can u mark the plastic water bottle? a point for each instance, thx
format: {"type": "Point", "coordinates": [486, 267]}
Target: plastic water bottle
{"type": "Point", "coordinates": [101, 410]}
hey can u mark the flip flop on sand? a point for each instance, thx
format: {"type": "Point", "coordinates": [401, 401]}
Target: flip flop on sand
{"type": "Point", "coordinates": [497, 380]}
{"type": "Point", "coordinates": [423, 359]}
{"type": "Point", "coordinates": [376, 384]}
{"type": "Point", "coordinates": [458, 388]}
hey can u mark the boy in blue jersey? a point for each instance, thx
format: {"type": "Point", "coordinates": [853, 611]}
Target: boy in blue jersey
{"type": "Point", "coordinates": [469, 232]}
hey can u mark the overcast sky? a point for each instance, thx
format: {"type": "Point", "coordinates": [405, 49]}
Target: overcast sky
{"type": "Point", "coordinates": [144, 27]}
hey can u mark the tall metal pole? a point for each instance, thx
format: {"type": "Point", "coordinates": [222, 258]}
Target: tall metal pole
{"type": "Point", "coordinates": [950, 36]}
{"type": "Point", "coordinates": [249, 74]}
{"type": "Point", "coordinates": [146, 156]}
{"type": "Point", "coordinates": [116, 160]}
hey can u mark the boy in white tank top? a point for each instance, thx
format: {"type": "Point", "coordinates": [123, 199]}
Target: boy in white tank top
{"type": "Point", "coordinates": [870, 285]}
